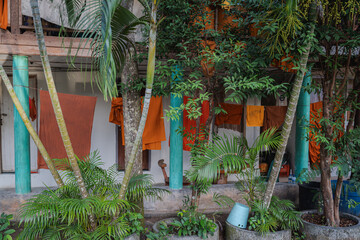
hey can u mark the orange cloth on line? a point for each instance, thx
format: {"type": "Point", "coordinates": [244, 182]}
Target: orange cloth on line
{"type": "Point", "coordinates": [190, 124]}
{"type": "Point", "coordinates": [32, 109]}
{"type": "Point", "coordinates": [116, 113]}
{"type": "Point", "coordinates": [232, 116]}
{"type": "Point", "coordinates": [315, 116]}
{"type": "Point", "coordinates": [154, 131]}
{"type": "Point", "coordinates": [3, 14]}
{"type": "Point", "coordinates": [274, 116]}
{"type": "Point", "coordinates": [78, 113]}
{"type": "Point", "coordinates": [255, 116]}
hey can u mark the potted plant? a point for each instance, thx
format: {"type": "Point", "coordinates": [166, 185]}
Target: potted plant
{"type": "Point", "coordinates": [63, 214]}
{"type": "Point", "coordinates": [234, 154]}
{"type": "Point", "coordinates": [335, 136]}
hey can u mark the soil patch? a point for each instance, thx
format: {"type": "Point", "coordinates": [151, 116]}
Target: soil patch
{"type": "Point", "coordinates": [318, 219]}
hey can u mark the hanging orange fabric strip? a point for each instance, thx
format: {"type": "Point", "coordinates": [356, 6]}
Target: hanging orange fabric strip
{"type": "Point", "coordinates": [190, 124]}
{"type": "Point", "coordinates": [154, 131]}
{"type": "Point", "coordinates": [255, 116]}
{"type": "Point", "coordinates": [3, 14]}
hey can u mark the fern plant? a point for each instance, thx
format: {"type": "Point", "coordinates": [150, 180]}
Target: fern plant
{"type": "Point", "coordinates": [63, 214]}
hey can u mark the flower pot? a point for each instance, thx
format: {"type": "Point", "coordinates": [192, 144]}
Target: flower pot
{"type": "Point", "coordinates": [318, 232]}
{"type": "Point", "coordinates": [193, 237]}
{"type": "Point", "coordinates": [309, 194]}
{"type": "Point", "coordinates": [232, 232]}
{"type": "Point", "coordinates": [133, 236]}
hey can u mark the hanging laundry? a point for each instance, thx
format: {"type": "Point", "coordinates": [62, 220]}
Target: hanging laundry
{"type": "Point", "coordinates": [274, 116]}
{"type": "Point", "coordinates": [154, 131]}
{"type": "Point", "coordinates": [78, 113]}
{"type": "Point", "coordinates": [116, 112]}
{"type": "Point", "coordinates": [3, 14]}
{"type": "Point", "coordinates": [190, 124]}
{"type": "Point", "coordinates": [255, 116]}
{"type": "Point", "coordinates": [32, 109]}
{"type": "Point", "coordinates": [233, 114]}
{"type": "Point", "coordinates": [314, 147]}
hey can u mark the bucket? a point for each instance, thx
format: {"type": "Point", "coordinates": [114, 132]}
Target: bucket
{"type": "Point", "coordinates": [239, 215]}
{"type": "Point", "coordinates": [348, 193]}
{"type": "Point", "coordinates": [309, 194]}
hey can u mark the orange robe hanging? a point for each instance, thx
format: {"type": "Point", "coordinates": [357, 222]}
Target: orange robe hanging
{"type": "Point", "coordinates": [255, 116]}
{"type": "Point", "coordinates": [154, 131]}
{"type": "Point", "coordinates": [3, 14]}
{"type": "Point", "coordinates": [314, 147]}
{"type": "Point", "coordinates": [190, 124]}
{"type": "Point", "coordinates": [78, 113]}
{"type": "Point", "coordinates": [233, 114]}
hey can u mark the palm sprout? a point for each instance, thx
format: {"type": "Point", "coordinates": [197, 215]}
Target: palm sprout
{"type": "Point", "coordinates": [230, 155]}
{"type": "Point", "coordinates": [63, 214]}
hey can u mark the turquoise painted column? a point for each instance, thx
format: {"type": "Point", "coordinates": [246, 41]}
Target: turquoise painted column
{"type": "Point", "coordinates": [302, 123]}
{"type": "Point", "coordinates": [21, 134]}
{"type": "Point", "coordinates": [176, 138]}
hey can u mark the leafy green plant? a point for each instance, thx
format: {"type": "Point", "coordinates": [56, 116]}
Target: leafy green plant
{"type": "Point", "coordinates": [63, 214]}
{"type": "Point", "coordinates": [5, 230]}
{"type": "Point", "coordinates": [279, 216]}
{"type": "Point", "coordinates": [189, 222]}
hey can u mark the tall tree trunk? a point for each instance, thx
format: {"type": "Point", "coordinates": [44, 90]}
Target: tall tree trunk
{"type": "Point", "coordinates": [30, 128]}
{"type": "Point", "coordinates": [289, 118]}
{"type": "Point", "coordinates": [149, 85]}
{"type": "Point", "coordinates": [54, 98]}
{"type": "Point", "coordinates": [131, 102]}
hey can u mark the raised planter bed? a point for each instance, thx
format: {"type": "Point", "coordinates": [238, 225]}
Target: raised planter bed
{"type": "Point", "coordinates": [233, 232]}
{"type": "Point", "coordinates": [319, 232]}
{"type": "Point", "coordinates": [193, 237]}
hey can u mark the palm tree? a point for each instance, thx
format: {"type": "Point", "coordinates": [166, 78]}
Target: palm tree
{"type": "Point", "coordinates": [55, 99]}
{"type": "Point", "coordinates": [149, 85]}
{"type": "Point", "coordinates": [285, 133]}
{"type": "Point", "coordinates": [107, 26]}
{"type": "Point", "coordinates": [30, 128]}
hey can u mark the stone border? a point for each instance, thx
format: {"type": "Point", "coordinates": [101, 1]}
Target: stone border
{"type": "Point", "coordinates": [133, 236]}
{"type": "Point", "coordinates": [233, 232]}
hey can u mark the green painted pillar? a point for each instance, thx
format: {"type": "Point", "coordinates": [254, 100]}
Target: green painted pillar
{"type": "Point", "coordinates": [176, 138]}
{"type": "Point", "coordinates": [21, 134]}
{"type": "Point", "coordinates": [302, 124]}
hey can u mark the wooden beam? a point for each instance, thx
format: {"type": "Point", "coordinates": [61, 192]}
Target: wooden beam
{"type": "Point", "coordinates": [26, 44]}
{"type": "Point", "coordinates": [14, 16]}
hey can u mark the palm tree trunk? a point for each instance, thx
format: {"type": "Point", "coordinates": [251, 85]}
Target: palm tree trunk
{"type": "Point", "coordinates": [54, 98]}
{"type": "Point", "coordinates": [131, 102]}
{"type": "Point", "coordinates": [30, 128]}
{"type": "Point", "coordinates": [289, 118]}
{"type": "Point", "coordinates": [149, 85]}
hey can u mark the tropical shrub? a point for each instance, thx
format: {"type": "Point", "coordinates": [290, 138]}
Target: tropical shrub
{"type": "Point", "coordinates": [5, 230]}
{"type": "Point", "coordinates": [63, 214]}
{"type": "Point", "coordinates": [235, 155]}
{"type": "Point", "coordinates": [189, 222]}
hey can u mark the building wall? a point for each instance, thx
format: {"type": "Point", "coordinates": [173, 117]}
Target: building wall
{"type": "Point", "coordinates": [104, 134]}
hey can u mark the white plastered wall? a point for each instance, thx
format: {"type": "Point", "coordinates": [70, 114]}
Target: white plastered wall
{"type": "Point", "coordinates": [103, 137]}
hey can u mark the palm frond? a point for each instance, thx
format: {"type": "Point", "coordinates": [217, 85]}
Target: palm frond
{"type": "Point", "coordinates": [105, 29]}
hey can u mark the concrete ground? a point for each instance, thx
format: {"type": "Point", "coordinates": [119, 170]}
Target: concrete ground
{"type": "Point", "coordinates": [10, 202]}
